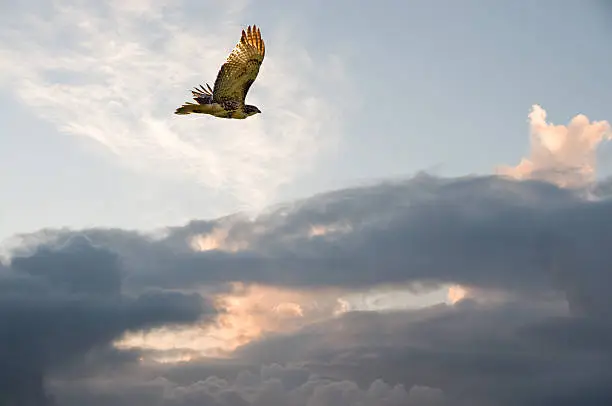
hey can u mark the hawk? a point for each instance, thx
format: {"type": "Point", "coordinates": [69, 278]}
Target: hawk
{"type": "Point", "coordinates": [237, 74]}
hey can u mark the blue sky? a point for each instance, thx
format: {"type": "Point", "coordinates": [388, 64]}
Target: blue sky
{"type": "Point", "coordinates": [440, 86]}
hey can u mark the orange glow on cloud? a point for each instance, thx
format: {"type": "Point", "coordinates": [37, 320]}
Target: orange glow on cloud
{"type": "Point", "coordinates": [217, 239]}
{"type": "Point", "coordinates": [255, 310]}
{"type": "Point", "coordinates": [457, 293]}
{"type": "Point", "coordinates": [563, 155]}
{"type": "Point", "coordinates": [319, 229]}
{"type": "Point", "coordinates": [250, 313]}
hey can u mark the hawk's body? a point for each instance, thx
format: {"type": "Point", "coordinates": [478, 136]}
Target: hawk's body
{"type": "Point", "coordinates": [237, 74]}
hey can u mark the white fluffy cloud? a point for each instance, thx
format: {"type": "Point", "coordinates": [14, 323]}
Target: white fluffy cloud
{"type": "Point", "coordinates": [561, 154]}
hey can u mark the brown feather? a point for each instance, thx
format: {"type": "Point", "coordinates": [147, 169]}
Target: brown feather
{"type": "Point", "coordinates": [241, 67]}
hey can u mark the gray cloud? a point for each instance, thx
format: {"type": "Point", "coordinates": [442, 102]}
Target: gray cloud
{"type": "Point", "coordinates": [527, 353]}
{"type": "Point", "coordinates": [515, 353]}
{"type": "Point", "coordinates": [267, 385]}
{"type": "Point", "coordinates": [489, 232]}
{"type": "Point", "coordinates": [543, 246]}
{"type": "Point", "coordinates": [58, 304]}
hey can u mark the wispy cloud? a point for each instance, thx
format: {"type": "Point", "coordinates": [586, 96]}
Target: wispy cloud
{"type": "Point", "coordinates": [114, 73]}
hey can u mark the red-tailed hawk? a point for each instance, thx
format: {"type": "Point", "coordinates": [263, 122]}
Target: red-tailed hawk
{"type": "Point", "coordinates": [233, 81]}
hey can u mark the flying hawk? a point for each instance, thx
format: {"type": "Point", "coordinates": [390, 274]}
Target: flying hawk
{"type": "Point", "coordinates": [233, 81]}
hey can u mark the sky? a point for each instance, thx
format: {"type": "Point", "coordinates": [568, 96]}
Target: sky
{"type": "Point", "coordinates": [418, 216]}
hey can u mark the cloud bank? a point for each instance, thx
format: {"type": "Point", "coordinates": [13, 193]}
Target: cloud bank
{"type": "Point", "coordinates": [541, 336]}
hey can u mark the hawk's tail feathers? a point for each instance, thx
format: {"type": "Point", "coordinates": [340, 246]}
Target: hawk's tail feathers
{"type": "Point", "coordinates": [187, 108]}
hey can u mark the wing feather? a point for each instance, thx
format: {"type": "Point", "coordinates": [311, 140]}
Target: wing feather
{"type": "Point", "coordinates": [203, 95]}
{"type": "Point", "coordinates": [240, 70]}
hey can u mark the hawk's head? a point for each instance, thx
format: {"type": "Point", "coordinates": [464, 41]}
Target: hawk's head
{"type": "Point", "coordinates": [250, 110]}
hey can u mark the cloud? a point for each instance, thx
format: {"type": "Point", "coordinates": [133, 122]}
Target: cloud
{"type": "Point", "coordinates": [502, 354]}
{"type": "Point", "coordinates": [532, 255]}
{"type": "Point", "coordinates": [249, 312]}
{"type": "Point", "coordinates": [489, 233]}
{"type": "Point", "coordinates": [531, 353]}
{"type": "Point", "coordinates": [484, 231]}
{"type": "Point", "coordinates": [114, 73]}
{"type": "Point", "coordinates": [59, 304]}
{"type": "Point", "coordinates": [565, 155]}
{"type": "Point", "coordinates": [268, 385]}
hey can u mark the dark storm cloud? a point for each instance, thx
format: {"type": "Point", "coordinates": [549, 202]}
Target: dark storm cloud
{"type": "Point", "coordinates": [269, 385]}
{"type": "Point", "coordinates": [57, 304]}
{"type": "Point", "coordinates": [523, 236]}
{"type": "Point", "coordinates": [471, 354]}
{"type": "Point", "coordinates": [477, 354]}
{"type": "Point", "coordinates": [486, 232]}
{"type": "Point", "coordinates": [538, 244]}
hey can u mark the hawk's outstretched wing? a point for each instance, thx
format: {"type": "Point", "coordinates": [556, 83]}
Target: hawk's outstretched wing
{"type": "Point", "coordinates": [238, 73]}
